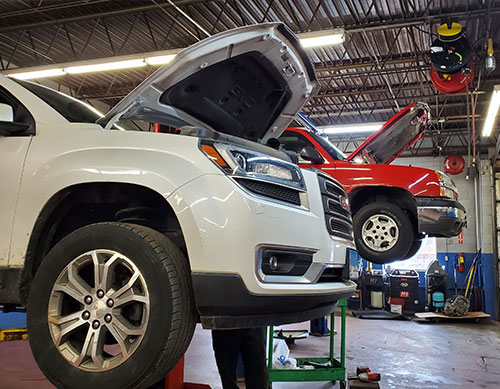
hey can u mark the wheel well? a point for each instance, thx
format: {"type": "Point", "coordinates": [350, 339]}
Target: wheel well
{"type": "Point", "coordinates": [401, 197]}
{"type": "Point", "coordinates": [84, 204]}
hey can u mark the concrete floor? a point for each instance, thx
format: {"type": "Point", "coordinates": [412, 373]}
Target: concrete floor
{"type": "Point", "coordinates": [407, 354]}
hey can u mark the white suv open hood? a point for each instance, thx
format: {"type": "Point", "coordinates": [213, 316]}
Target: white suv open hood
{"type": "Point", "coordinates": [249, 82]}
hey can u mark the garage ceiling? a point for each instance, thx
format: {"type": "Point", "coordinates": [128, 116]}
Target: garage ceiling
{"type": "Point", "coordinates": [382, 66]}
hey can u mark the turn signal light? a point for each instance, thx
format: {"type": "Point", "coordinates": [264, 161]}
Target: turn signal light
{"type": "Point", "coordinates": [214, 155]}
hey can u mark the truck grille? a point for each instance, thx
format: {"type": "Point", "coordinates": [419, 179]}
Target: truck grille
{"type": "Point", "coordinates": [338, 218]}
{"type": "Point", "coordinates": [277, 192]}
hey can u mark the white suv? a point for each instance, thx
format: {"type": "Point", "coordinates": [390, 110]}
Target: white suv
{"type": "Point", "coordinates": [119, 241]}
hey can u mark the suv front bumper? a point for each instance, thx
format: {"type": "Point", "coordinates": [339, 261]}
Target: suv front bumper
{"type": "Point", "coordinates": [440, 217]}
{"type": "Point", "coordinates": [226, 228]}
{"type": "Point", "coordinates": [224, 302]}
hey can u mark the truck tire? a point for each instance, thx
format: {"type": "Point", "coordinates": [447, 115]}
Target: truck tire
{"type": "Point", "coordinates": [413, 249]}
{"type": "Point", "coordinates": [383, 232]}
{"type": "Point", "coordinates": [111, 306]}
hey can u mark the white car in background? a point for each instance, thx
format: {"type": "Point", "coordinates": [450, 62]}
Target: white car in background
{"type": "Point", "coordinates": [119, 241]}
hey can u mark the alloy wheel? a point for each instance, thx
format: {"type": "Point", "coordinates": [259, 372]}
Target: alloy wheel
{"type": "Point", "coordinates": [98, 310]}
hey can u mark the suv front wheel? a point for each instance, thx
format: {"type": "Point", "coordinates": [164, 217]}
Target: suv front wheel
{"type": "Point", "coordinates": [111, 306]}
{"type": "Point", "coordinates": [383, 232]}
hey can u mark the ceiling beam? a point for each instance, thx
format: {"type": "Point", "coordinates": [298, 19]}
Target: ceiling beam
{"type": "Point", "coordinates": [95, 15]}
{"type": "Point", "coordinates": [405, 22]}
{"type": "Point", "coordinates": [370, 91]}
{"type": "Point", "coordinates": [333, 67]}
{"type": "Point", "coordinates": [398, 22]}
{"type": "Point", "coordinates": [423, 98]}
{"type": "Point", "coordinates": [382, 89]}
{"type": "Point", "coordinates": [363, 63]}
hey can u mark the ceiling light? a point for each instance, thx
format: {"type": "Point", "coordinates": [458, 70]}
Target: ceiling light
{"type": "Point", "coordinates": [351, 128]}
{"type": "Point", "coordinates": [492, 111]}
{"type": "Point", "coordinates": [99, 67]}
{"type": "Point", "coordinates": [322, 38]}
{"type": "Point", "coordinates": [159, 59]}
{"type": "Point", "coordinates": [39, 74]}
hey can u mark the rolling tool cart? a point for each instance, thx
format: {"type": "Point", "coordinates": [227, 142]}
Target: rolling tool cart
{"type": "Point", "coordinates": [320, 369]}
{"type": "Point", "coordinates": [372, 290]}
{"type": "Point", "coordinates": [403, 284]}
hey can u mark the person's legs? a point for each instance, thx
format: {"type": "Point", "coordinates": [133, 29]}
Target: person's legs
{"type": "Point", "coordinates": [226, 345]}
{"type": "Point", "coordinates": [314, 326]}
{"type": "Point", "coordinates": [319, 327]}
{"type": "Point", "coordinates": [253, 352]}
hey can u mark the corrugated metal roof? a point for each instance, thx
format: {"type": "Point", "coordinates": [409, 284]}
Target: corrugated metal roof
{"type": "Point", "coordinates": [383, 63]}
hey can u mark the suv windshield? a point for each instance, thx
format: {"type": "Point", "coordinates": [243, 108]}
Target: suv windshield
{"type": "Point", "coordinates": [333, 151]}
{"type": "Point", "coordinates": [75, 111]}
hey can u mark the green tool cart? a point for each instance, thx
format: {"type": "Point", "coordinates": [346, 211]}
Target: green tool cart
{"type": "Point", "coordinates": [335, 372]}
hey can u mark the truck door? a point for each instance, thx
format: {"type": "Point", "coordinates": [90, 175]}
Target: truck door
{"type": "Point", "coordinates": [16, 128]}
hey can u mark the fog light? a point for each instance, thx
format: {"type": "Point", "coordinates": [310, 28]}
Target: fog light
{"type": "Point", "coordinates": [283, 262]}
{"type": "Point", "coordinates": [273, 263]}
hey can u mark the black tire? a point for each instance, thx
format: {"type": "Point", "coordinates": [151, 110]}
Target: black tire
{"type": "Point", "coordinates": [413, 249]}
{"type": "Point", "coordinates": [172, 314]}
{"type": "Point", "coordinates": [401, 220]}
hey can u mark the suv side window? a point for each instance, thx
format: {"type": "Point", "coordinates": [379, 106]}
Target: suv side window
{"type": "Point", "coordinates": [20, 113]}
{"type": "Point", "coordinates": [293, 141]}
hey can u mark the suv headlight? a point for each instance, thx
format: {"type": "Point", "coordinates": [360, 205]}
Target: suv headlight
{"type": "Point", "coordinates": [447, 187]}
{"type": "Point", "coordinates": [238, 161]}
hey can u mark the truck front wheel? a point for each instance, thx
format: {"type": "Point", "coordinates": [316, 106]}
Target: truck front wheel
{"type": "Point", "coordinates": [413, 249]}
{"type": "Point", "coordinates": [111, 306]}
{"type": "Point", "coordinates": [383, 232]}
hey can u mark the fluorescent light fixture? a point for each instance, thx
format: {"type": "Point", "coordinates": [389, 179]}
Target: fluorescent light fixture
{"type": "Point", "coordinates": [123, 62]}
{"type": "Point", "coordinates": [54, 72]}
{"type": "Point", "coordinates": [351, 128]}
{"type": "Point", "coordinates": [492, 111]}
{"type": "Point", "coordinates": [101, 67]}
{"type": "Point", "coordinates": [322, 38]}
{"type": "Point", "coordinates": [159, 59]}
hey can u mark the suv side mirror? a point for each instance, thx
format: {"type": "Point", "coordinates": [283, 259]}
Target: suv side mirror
{"type": "Point", "coordinates": [13, 128]}
{"type": "Point", "coordinates": [6, 113]}
{"type": "Point", "coordinates": [312, 155]}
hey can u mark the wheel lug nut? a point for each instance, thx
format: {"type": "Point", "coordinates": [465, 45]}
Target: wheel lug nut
{"type": "Point", "coordinates": [110, 303]}
{"type": "Point", "coordinates": [100, 293]}
{"type": "Point", "coordinates": [95, 324]}
{"type": "Point", "coordinates": [86, 315]}
{"type": "Point", "coordinates": [108, 318]}
{"type": "Point", "coordinates": [88, 300]}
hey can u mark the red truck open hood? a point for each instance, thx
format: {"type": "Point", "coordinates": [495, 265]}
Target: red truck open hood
{"type": "Point", "coordinates": [396, 135]}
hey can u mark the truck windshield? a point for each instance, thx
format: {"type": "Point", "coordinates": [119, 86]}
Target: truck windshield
{"type": "Point", "coordinates": [75, 111]}
{"type": "Point", "coordinates": [333, 151]}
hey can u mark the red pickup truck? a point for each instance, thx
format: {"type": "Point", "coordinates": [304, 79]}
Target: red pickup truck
{"type": "Point", "coordinates": [393, 207]}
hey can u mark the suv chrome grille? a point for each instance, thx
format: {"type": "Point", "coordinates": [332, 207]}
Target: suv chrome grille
{"type": "Point", "coordinates": [338, 219]}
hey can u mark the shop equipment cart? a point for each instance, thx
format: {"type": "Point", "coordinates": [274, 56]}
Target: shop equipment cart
{"type": "Point", "coordinates": [334, 372]}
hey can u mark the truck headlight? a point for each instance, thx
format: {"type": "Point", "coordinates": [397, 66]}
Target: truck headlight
{"type": "Point", "coordinates": [238, 161]}
{"type": "Point", "coordinates": [447, 187]}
